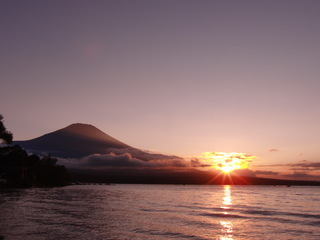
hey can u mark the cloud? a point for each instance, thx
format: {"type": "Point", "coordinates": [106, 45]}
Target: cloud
{"type": "Point", "coordinates": [266, 173]}
{"type": "Point", "coordinates": [223, 161]}
{"type": "Point", "coordinates": [302, 176]}
{"type": "Point", "coordinates": [244, 172]}
{"type": "Point", "coordinates": [106, 160]}
{"type": "Point", "coordinates": [125, 160]}
{"type": "Point", "coordinates": [142, 155]}
{"type": "Point", "coordinates": [302, 170]}
{"type": "Point", "coordinates": [195, 162]}
{"type": "Point", "coordinates": [274, 150]}
{"type": "Point", "coordinates": [305, 165]}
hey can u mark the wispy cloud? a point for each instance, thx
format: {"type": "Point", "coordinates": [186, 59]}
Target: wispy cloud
{"type": "Point", "coordinates": [302, 175]}
{"type": "Point", "coordinates": [196, 162]}
{"type": "Point", "coordinates": [126, 159]}
{"type": "Point", "coordinates": [244, 172]}
{"type": "Point", "coordinates": [305, 165]}
{"type": "Point", "coordinates": [142, 155]}
{"type": "Point", "coordinates": [304, 170]}
{"type": "Point", "coordinates": [266, 173]}
{"type": "Point", "coordinates": [274, 150]}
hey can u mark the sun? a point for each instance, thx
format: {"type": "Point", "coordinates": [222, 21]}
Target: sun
{"type": "Point", "coordinates": [227, 162]}
{"type": "Point", "coordinates": [227, 168]}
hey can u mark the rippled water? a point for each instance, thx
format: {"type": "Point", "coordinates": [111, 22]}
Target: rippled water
{"type": "Point", "coordinates": [161, 212]}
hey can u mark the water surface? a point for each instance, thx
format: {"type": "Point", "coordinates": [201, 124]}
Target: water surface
{"type": "Point", "coordinates": [161, 212]}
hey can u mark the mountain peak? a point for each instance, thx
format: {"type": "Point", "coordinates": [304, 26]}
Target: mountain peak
{"type": "Point", "coordinates": [75, 140]}
{"type": "Point", "coordinates": [75, 125]}
{"type": "Point", "coordinates": [82, 129]}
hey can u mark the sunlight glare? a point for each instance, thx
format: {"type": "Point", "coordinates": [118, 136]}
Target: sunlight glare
{"type": "Point", "coordinates": [227, 162]}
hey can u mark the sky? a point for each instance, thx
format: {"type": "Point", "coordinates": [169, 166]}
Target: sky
{"type": "Point", "coordinates": [179, 77]}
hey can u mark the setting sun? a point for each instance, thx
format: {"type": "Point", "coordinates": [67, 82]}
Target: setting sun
{"type": "Point", "coordinates": [227, 162]}
{"type": "Point", "coordinates": [228, 168]}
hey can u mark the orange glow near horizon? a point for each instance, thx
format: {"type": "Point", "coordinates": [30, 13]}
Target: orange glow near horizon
{"type": "Point", "coordinates": [227, 162]}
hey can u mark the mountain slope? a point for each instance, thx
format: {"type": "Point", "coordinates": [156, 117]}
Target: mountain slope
{"type": "Point", "coordinates": [75, 141]}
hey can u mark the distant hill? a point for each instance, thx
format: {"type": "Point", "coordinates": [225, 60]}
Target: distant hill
{"type": "Point", "coordinates": [172, 176]}
{"type": "Point", "coordinates": [75, 141]}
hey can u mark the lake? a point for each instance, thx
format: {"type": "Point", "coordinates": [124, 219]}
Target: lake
{"type": "Point", "coordinates": [160, 212]}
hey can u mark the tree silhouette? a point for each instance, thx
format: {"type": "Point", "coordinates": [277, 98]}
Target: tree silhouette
{"type": "Point", "coordinates": [19, 169]}
{"type": "Point", "coordinates": [5, 136]}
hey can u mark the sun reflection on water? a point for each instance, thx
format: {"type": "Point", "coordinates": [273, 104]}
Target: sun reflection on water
{"type": "Point", "coordinates": [226, 226]}
{"type": "Point", "coordinates": [227, 230]}
{"type": "Point", "coordinates": [227, 200]}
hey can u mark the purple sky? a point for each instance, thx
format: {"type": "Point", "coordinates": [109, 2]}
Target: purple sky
{"type": "Point", "coordinates": [179, 77]}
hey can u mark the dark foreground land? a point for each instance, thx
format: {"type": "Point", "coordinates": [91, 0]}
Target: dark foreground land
{"type": "Point", "coordinates": [143, 176]}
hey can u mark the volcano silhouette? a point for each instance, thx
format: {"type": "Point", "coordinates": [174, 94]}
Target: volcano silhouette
{"type": "Point", "coordinates": [75, 141]}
